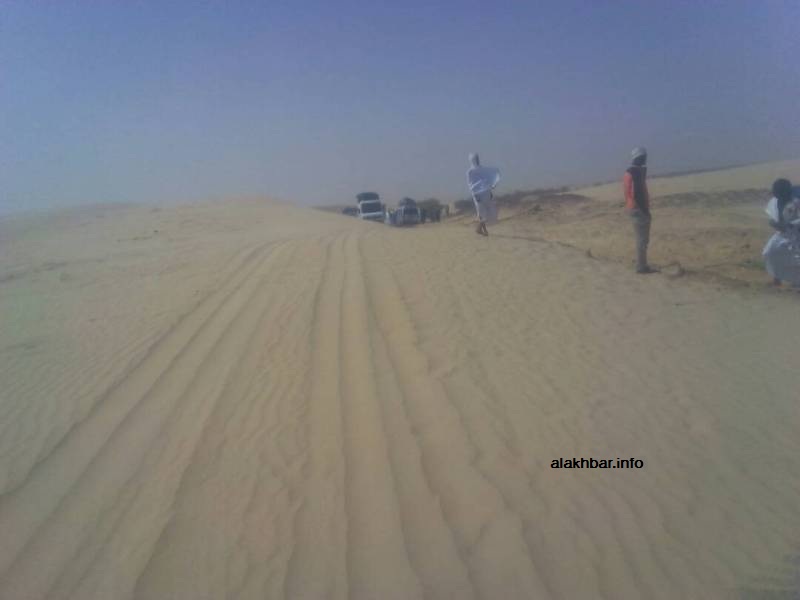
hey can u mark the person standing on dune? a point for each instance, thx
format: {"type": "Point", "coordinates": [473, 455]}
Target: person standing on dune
{"type": "Point", "coordinates": [481, 181]}
{"type": "Point", "coordinates": [637, 204]}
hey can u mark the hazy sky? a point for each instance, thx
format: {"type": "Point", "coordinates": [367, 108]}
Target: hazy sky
{"type": "Point", "coordinates": [314, 101]}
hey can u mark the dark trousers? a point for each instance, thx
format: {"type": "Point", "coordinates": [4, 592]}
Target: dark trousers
{"type": "Point", "coordinates": [641, 228]}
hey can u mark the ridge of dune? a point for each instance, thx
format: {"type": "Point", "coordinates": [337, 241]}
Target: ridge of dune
{"type": "Point", "coordinates": [760, 175]}
{"type": "Point", "coordinates": [708, 225]}
{"type": "Point", "coordinates": [253, 400]}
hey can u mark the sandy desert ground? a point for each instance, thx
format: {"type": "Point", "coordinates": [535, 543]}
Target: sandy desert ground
{"type": "Point", "coordinates": [710, 224]}
{"type": "Point", "coordinates": [253, 400]}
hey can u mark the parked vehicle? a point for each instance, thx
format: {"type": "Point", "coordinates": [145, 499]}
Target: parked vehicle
{"type": "Point", "coordinates": [407, 212]}
{"type": "Point", "coordinates": [350, 211]}
{"type": "Point", "coordinates": [370, 207]}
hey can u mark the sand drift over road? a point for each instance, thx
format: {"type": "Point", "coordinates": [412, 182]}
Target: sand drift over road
{"type": "Point", "coordinates": [252, 400]}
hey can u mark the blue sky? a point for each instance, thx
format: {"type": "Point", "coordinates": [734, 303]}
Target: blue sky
{"type": "Point", "coordinates": [315, 101]}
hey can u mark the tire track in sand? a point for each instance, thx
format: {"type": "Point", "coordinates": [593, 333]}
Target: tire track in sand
{"type": "Point", "coordinates": [440, 565]}
{"type": "Point", "coordinates": [490, 536]}
{"type": "Point", "coordinates": [318, 565]}
{"type": "Point", "coordinates": [120, 544]}
{"type": "Point", "coordinates": [23, 458]}
{"type": "Point", "coordinates": [109, 449]}
{"type": "Point", "coordinates": [378, 560]}
{"type": "Point", "coordinates": [346, 428]}
{"type": "Point", "coordinates": [249, 458]}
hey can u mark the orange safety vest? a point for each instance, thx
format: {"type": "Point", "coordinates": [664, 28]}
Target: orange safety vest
{"type": "Point", "coordinates": [634, 185]}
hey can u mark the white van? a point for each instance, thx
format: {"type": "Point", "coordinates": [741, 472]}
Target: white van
{"type": "Point", "coordinates": [370, 207]}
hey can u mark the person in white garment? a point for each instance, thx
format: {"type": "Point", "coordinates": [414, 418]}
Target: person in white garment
{"type": "Point", "coordinates": [481, 181]}
{"type": "Point", "coordinates": [782, 252]}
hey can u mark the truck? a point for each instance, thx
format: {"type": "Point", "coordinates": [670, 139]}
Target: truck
{"type": "Point", "coordinates": [369, 206]}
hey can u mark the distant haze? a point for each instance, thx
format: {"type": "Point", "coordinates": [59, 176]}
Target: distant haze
{"type": "Point", "coordinates": [315, 101]}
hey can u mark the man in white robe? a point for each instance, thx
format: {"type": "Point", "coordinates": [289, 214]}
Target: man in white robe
{"type": "Point", "coordinates": [481, 181]}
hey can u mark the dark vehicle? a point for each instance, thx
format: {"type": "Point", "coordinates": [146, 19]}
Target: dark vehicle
{"type": "Point", "coordinates": [350, 211]}
{"type": "Point", "coordinates": [407, 212]}
{"type": "Point", "coordinates": [369, 206]}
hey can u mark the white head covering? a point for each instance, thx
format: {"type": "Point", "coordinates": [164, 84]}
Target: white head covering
{"type": "Point", "coordinates": [773, 214]}
{"type": "Point", "coordinates": [772, 209]}
{"type": "Point", "coordinates": [481, 179]}
{"type": "Point", "coordinates": [638, 151]}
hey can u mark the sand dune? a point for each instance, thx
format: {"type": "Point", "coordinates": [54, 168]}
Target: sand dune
{"type": "Point", "coordinates": [712, 224]}
{"type": "Point", "coordinates": [251, 400]}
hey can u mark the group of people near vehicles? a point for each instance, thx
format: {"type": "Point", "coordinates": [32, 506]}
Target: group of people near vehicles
{"type": "Point", "coordinates": [781, 253]}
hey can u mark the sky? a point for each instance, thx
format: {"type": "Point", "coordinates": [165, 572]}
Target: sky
{"type": "Point", "coordinates": [314, 101]}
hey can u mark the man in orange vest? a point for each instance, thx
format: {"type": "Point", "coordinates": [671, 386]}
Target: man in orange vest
{"type": "Point", "coordinates": [637, 204]}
